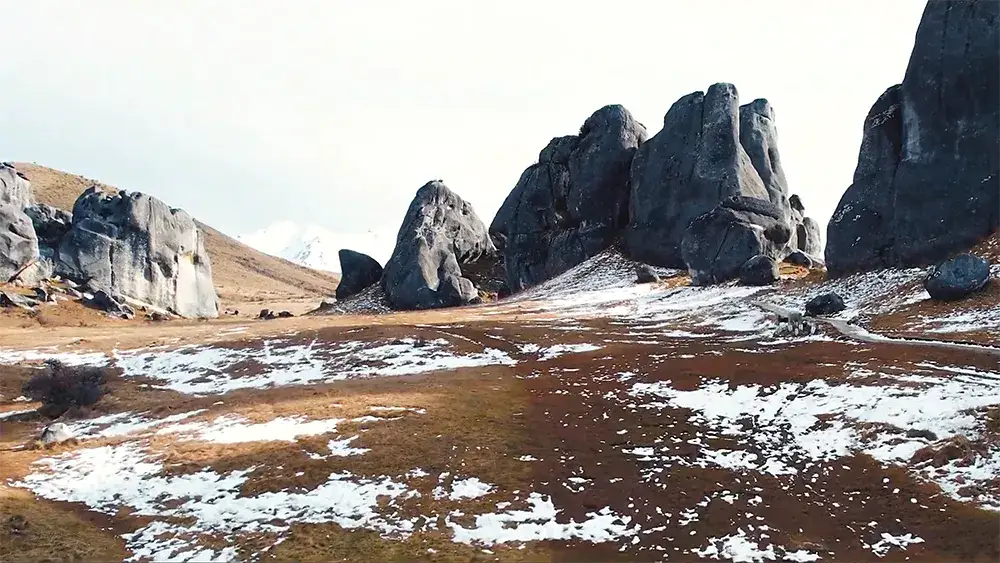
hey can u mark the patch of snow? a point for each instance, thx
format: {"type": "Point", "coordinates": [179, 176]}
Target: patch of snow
{"type": "Point", "coordinates": [9, 414]}
{"type": "Point", "coordinates": [122, 424]}
{"type": "Point", "coordinates": [229, 429]}
{"type": "Point", "coordinates": [739, 548]}
{"type": "Point", "coordinates": [469, 488]}
{"type": "Point", "coordinates": [10, 356]}
{"type": "Point", "coordinates": [888, 541]}
{"type": "Point", "coordinates": [783, 422]}
{"type": "Point", "coordinates": [553, 352]}
{"type": "Point", "coordinates": [342, 448]}
{"type": "Point", "coordinates": [214, 370]}
{"type": "Point", "coordinates": [109, 478]}
{"type": "Point", "coordinates": [538, 523]}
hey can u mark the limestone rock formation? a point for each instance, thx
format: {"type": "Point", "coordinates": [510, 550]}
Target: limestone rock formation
{"type": "Point", "coordinates": [957, 277]}
{"type": "Point", "coordinates": [759, 270]}
{"type": "Point", "coordinates": [687, 169]}
{"type": "Point", "coordinates": [572, 203]}
{"type": "Point", "coordinates": [358, 271]}
{"type": "Point", "coordinates": [718, 243]}
{"type": "Point", "coordinates": [134, 245]}
{"type": "Point", "coordinates": [439, 234]}
{"type": "Point", "coordinates": [14, 187]}
{"type": "Point", "coordinates": [927, 182]}
{"type": "Point", "coordinates": [710, 148]}
{"type": "Point", "coordinates": [18, 243]}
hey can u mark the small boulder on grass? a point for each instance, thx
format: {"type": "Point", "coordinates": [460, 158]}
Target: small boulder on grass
{"type": "Point", "coordinates": [825, 304]}
{"type": "Point", "coordinates": [55, 433]}
{"type": "Point", "coordinates": [957, 277]}
{"type": "Point", "coordinates": [645, 273]}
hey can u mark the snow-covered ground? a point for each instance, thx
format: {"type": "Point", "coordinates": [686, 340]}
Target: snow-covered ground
{"type": "Point", "coordinates": [793, 432]}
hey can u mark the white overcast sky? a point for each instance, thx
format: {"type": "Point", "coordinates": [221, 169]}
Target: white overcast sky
{"type": "Point", "coordinates": [334, 112]}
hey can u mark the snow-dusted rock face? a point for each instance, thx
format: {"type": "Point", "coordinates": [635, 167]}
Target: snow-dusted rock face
{"type": "Point", "coordinates": [134, 245]}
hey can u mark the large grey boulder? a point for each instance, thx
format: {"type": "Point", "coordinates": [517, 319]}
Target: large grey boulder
{"type": "Point", "coordinates": [957, 277]}
{"type": "Point", "coordinates": [14, 187]}
{"type": "Point", "coordinates": [685, 170]}
{"type": "Point", "coordinates": [571, 204]}
{"type": "Point", "coordinates": [358, 271]}
{"type": "Point", "coordinates": [18, 243]}
{"type": "Point", "coordinates": [439, 234]}
{"type": "Point", "coordinates": [759, 271]}
{"type": "Point", "coordinates": [136, 246]}
{"type": "Point", "coordinates": [718, 243]}
{"type": "Point", "coordinates": [927, 182]}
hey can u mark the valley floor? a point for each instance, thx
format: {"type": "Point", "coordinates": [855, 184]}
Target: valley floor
{"type": "Point", "coordinates": [588, 419]}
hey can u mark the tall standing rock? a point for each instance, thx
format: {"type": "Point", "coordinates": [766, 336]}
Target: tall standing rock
{"type": "Point", "coordinates": [135, 245]}
{"type": "Point", "coordinates": [18, 241]}
{"type": "Point", "coordinates": [14, 187]}
{"type": "Point", "coordinates": [759, 137]}
{"type": "Point", "coordinates": [685, 170]}
{"type": "Point", "coordinates": [927, 182]}
{"type": "Point", "coordinates": [440, 232]}
{"type": "Point", "coordinates": [358, 271]}
{"type": "Point", "coordinates": [572, 203]}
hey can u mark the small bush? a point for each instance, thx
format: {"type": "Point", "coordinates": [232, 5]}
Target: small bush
{"type": "Point", "coordinates": [61, 387]}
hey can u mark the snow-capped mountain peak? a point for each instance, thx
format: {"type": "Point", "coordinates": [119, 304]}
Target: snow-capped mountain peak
{"type": "Point", "coordinates": [315, 247]}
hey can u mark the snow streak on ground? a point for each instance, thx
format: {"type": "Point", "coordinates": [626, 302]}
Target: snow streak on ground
{"type": "Point", "coordinates": [210, 369]}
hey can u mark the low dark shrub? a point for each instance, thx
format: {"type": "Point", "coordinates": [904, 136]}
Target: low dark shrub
{"type": "Point", "coordinates": [60, 387]}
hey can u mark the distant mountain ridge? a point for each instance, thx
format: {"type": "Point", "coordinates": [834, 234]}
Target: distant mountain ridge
{"type": "Point", "coordinates": [314, 247]}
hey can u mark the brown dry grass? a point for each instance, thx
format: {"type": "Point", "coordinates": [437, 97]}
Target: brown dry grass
{"type": "Point", "coordinates": [37, 530]}
{"type": "Point", "coordinates": [241, 274]}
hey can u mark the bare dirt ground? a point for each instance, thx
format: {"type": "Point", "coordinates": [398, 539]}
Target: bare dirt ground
{"type": "Point", "coordinates": [591, 419]}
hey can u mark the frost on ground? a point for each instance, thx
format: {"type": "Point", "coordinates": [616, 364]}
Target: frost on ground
{"type": "Point", "coordinates": [741, 549]}
{"type": "Point", "coordinates": [211, 370]}
{"type": "Point", "coordinates": [9, 356]}
{"type": "Point", "coordinates": [788, 428]}
{"type": "Point", "coordinates": [183, 514]}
